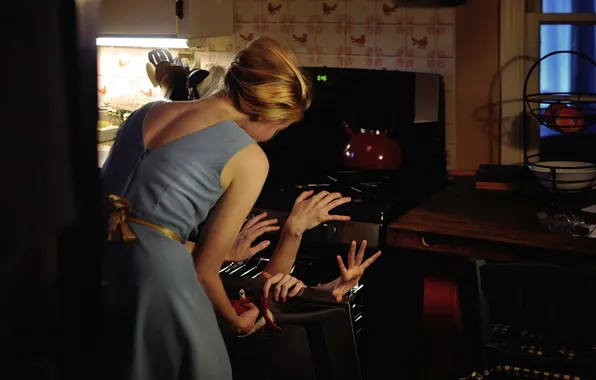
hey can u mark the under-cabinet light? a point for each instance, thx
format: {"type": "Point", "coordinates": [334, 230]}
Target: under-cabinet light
{"type": "Point", "coordinates": [168, 43]}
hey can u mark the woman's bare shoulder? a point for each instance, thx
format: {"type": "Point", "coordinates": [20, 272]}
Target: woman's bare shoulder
{"type": "Point", "coordinates": [250, 161]}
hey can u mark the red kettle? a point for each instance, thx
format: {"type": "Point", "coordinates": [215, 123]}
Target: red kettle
{"type": "Point", "coordinates": [371, 150]}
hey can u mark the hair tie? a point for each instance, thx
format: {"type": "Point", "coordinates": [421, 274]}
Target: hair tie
{"type": "Point", "coordinates": [233, 65]}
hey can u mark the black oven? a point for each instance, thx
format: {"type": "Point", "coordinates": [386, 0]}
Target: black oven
{"type": "Point", "coordinates": [410, 106]}
{"type": "Point", "coordinates": [316, 341]}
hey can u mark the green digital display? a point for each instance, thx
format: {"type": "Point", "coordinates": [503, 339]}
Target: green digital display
{"type": "Point", "coordinates": [321, 78]}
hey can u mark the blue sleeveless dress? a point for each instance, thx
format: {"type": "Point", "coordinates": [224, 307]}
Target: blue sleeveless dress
{"type": "Point", "coordinates": [159, 323]}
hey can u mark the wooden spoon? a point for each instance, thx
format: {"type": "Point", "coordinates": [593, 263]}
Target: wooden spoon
{"type": "Point", "coordinates": [151, 74]}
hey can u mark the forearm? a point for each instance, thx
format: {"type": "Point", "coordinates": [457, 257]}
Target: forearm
{"type": "Point", "coordinates": [330, 286]}
{"type": "Point", "coordinates": [284, 255]}
{"type": "Point", "coordinates": [214, 288]}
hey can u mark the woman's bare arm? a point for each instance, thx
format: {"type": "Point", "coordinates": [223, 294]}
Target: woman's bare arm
{"type": "Point", "coordinates": [330, 286]}
{"type": "Point", "coordinates": [247, 172]}
{"type": "Point", "coordinates": [284, 254]}
{"type": "Point", "coordinates": [308, 212]}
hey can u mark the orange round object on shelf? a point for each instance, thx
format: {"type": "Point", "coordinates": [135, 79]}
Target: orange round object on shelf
{"type": "Point", "coordinates": [569, 120]}
{"type": "Point", "coordinates": [551, 111]}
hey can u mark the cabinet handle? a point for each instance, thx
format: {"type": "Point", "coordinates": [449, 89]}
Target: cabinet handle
{"type": "Point", "coordinates": [180, 9]}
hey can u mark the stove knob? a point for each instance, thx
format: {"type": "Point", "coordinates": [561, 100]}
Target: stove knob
{"type": "Point", "coordinates": [330, 231]}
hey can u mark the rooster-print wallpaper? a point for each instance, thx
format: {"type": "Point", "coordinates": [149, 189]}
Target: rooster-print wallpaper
{"type": "Point", "coordinates": [351, 33]}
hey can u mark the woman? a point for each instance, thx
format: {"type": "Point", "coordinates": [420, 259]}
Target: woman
{"type": "Point", "coordinates": [170, 164]}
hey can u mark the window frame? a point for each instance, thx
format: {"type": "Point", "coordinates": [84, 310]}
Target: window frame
{"type": "Point", "coordinates": [522, 18]}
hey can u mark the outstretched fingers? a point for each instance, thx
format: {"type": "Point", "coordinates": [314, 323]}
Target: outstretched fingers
{"type": "Point", "coordinates": [257, 232]}
{"type": "Point", "coordinates": [352, 255]}
{"type": "Point", "coordinates": [361, 251]}
{"type": "Point", "coordinates": [259, 247]}
{"type": "Point", "coordinates": [342, 266]}
{"type": "Point", "coordinates": [318, 197]}
{"type": "Point", "coordinates": [370, 260]}
{"type": "Point", "coordinates": [304, 196]}
{"type": "Point", "coordinates": [336, 203]}
{"type": "Point", "coordinates": [343, 218]}
{"type": "Point", "coordinates": [252, 221]}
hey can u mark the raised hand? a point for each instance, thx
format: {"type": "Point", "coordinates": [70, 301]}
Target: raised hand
{"type": "Point", "coordinates": [309, 211]}
{"type": "Point", "coordinates": [242, 248]}
{"type": "Point", "coordinates": [353, 273]}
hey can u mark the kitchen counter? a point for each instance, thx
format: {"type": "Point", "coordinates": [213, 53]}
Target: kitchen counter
{"type": "Point", "coordinates": [460, 223]}
{"type": "Point", "coordinates": [494, 225]}
{"type": "Point", "coordinates": [103, 149]}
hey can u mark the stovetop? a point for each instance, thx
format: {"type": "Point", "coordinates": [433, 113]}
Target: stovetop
{"type": "Point", "coordinates": [377, 197]}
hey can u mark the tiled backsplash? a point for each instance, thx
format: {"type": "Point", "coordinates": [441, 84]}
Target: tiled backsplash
{"type": "Point", "coordinates": [351, 33]}
{"type": "Point", "coordinates": [122, 78]}
{"type": "Point", "coordinates": [365, 34]}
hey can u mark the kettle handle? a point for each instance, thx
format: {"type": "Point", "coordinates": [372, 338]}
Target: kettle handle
{"type": "Point", "coordinates": [347, 129]}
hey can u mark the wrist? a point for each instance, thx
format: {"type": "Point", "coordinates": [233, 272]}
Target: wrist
{"type": "Point", "coordinates": [292, 229]}
{"type": "Point", "coordinates": [235, 323]}
{"type": "Point", "coordinates": [337, 282]}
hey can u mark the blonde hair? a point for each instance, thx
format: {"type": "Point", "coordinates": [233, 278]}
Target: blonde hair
{"type": "Point", "coordinates": [265, 82]}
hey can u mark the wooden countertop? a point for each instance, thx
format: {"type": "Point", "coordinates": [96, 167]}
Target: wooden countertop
{"type": "Point", "coordinates": [464, 221]}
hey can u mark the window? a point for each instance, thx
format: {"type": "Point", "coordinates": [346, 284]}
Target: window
{"type": "Point", "coordinates": [567, 6]}
{"type": "Point", "coordinates": [532, 29]}
{"type": "Point", "coordinates": [564, 72]}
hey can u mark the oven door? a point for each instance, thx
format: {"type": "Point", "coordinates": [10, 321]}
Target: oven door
{"type": "Point", "coordinates": [316, 341]}
{"type": "Point", "coordinates": [315, 264]}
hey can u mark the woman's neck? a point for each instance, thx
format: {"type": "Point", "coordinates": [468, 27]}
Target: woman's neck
{"type": "Point", "coordinates": [220, 107]}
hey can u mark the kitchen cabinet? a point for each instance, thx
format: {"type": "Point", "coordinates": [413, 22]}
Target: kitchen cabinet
{"type": "Point", "coordinates": [205, 18]}
{"type": "Point", "coordinates": [148, 18]}
{"type": "Point", "coordinates": [193, 20]}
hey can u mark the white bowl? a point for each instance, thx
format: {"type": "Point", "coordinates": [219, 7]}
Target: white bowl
{"type": "Point", "coordinates": [584, 173]}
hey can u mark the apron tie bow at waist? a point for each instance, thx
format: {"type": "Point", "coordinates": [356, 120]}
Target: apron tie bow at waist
{"type": "Point", "coordinates": [120, 230]}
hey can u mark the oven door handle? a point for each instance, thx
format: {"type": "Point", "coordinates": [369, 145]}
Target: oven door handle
{"type": "Point", "coordinates": [253, 288]}
{"type": "Point", "coordinates": [301, 318]}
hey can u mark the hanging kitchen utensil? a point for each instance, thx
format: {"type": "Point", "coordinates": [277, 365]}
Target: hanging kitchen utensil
{"type": "Point", "coordinates": [371, 150]}
{"type": "Point", "coordinates": [174, 83]}
{"type": "Point", "coordinates": [151, 74]}
{"type": "Point", "coordinates": [180, 62]}
{"type": "Point", "coordinates": [213, 83]}
{"type": "Point", "coordinates": [195, 78]}
{"type": "Point", "coordinates": [160, 71]}
{"type": "Point", "coordinates": [159, 55]}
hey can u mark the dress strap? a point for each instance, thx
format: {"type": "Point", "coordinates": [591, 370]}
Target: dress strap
{"type": "Point", "coordinates": [119, 229]}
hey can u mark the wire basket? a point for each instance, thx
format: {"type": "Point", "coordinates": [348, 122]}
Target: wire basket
{"type": "Point", "coordinates": [563, 176]}
{"type": "Point", "coordinates": [563, 112]}
{"type": "Point", "coordinates": [569, 112]}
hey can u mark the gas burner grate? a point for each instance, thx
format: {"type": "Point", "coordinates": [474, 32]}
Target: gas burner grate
{"type": "Point", "coordinates": [360, 188]}
{"type": "Point", "coordinates": [377, 197]}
